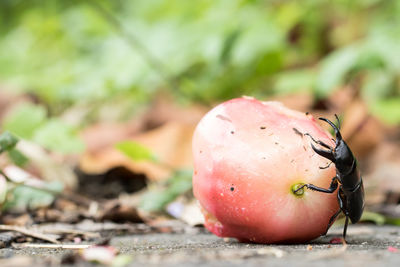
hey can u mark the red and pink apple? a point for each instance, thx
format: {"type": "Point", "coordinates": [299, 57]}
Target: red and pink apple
{"type": "Point", "coordinates": [248, 157]}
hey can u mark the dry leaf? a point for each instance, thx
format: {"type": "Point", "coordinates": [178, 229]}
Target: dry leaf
{"type": "Point", "coordinates": [360, 130]}
{"type": "Point", "coordinates": [300, 101]}
{"type": "Point", "coordinates": [49, 166]}
{"type": "Point", "coordinates": [171, 143]}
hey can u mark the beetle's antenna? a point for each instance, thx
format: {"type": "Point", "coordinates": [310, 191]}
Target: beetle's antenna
{"type": "Point", "coordinates": [338, 121]}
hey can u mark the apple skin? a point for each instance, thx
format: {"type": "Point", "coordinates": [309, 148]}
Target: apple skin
{"type": "Point", "coordinates": [247, 157]}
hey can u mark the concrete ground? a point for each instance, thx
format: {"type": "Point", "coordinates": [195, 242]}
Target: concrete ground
{"type": "Point", "coordinates": [367, 245]}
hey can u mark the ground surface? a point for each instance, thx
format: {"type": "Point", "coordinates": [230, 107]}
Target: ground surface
{"type": "Point", "coordinates": [367, 245]}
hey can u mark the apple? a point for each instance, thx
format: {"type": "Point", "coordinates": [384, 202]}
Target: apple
{"type": "Point", "coordinates": [249, 157]}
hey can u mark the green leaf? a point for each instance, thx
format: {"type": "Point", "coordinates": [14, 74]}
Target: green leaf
{"type": "Point", "coordinates": [229, 45]}
{"type": "Point", "coordinates": [17, 157]}
{"type": "Point", "coordinates": [58, 136]}
{"type": "Point", "coordinates": [3, 190]}
{"type": "Point", "coordinates": [378, 85]}
{"type": "Point", "coordinates": [393, 221]}
{"type": "Point", "coordinates": [7, 142]}
{"type": "Point", "coordinates": [388, 110]}
{"type": "Point", "coordinates": [157, 198]}
{"type": "Point", "coordinates": [23, 197]}
{"type": "Point", "coordinates": [294, 81]}
{"type": "Point", "coordinates": [334, 69]}
{"type": "Point", "coordinates": [25, 120]}
{"type": "Point", "coordinates": [377, 218]}
{"type": "Point", "coordinates": [135, 151]}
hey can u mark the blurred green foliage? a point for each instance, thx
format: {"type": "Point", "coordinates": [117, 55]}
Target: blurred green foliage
{"type": "Point", "coordinates": [30, 122]}
{"type": "Point", "coordinates": [7, 144]}
{"type": "Point", "coordinates": [135, 151]}
{"type": "Point", "coordinates": [160, 194]}
{"type": "Point", "coordinates": [89, 51]}
{"type": "Point", "coordinates": [22, 197]}
{"type": "Point", "coordinates": [16, 195]}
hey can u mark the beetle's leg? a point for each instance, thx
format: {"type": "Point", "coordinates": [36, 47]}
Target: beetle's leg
{"type": "Point", "coordinates": [327, 166]}
{"type": "Point", "coordinates": [345, 228]}
{"type": "Point", "coordinates": [331, 189]}
{"type": "Point", "coordinates": [332, 219]}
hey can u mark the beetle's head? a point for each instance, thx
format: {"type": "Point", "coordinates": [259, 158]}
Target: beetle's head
{"type": "Point", "coordinates": [344, 158]}
{"type": "Point", "coordinates": [341, 155]}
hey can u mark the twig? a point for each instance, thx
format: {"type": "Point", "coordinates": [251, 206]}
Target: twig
{"type": "Point", "coordinates": [71, 231]}
{"type": "Point", "coordinates": [28, 232]}
{"type": "Point", "coordinates": [54, 246]}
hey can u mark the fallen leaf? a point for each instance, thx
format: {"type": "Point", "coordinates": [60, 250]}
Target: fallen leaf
{"type": "Point", "coordinates": [48, 166]}
{"type": "Point", "coordinates": [100, 136]}
{"type": "Point", "coordinates": [361, 131]}
{"type": "Point", "coordinates": [171, 143]}
{"type": "Point", "coordinates": [163, 109]}
{"type": "Point", "coordinates": [382, 174]}
{"type": "Point", "coordinates": [299, 101]}
{"type": "Point", "coordinates": [118, 211]}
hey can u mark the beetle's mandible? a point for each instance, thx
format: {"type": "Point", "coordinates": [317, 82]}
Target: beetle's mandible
{"type": "Point", "coordinates": [351, 190]}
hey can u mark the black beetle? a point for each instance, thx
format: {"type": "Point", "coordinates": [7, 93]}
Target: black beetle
{"type": "Point", "coordinates": [351, 190]}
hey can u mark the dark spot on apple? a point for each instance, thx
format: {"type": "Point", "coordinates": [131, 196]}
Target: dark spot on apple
{"type": "Point", "coordinates": [232, 188]}
{"type": "Point", "coordinates": [276, 143]}
{"type": "Point", "coordinates": [307, 113]}
{"type": "Point", "coordinates": [201, 151]}
{"type": "Point", "coordinates": [232, 132]}
{"type": "Point", "coordinates": [263, 127]}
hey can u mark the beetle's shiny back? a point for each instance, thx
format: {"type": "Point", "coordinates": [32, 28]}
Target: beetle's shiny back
{"type": "Point", "coordinates": [354, 205]}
